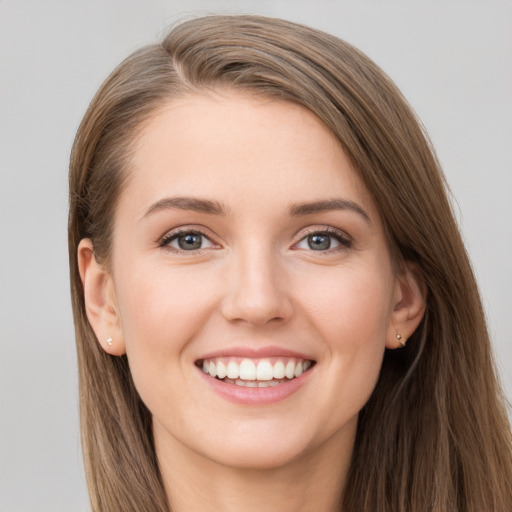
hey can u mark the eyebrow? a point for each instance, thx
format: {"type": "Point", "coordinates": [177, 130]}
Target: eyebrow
{"type": "Point", "coordinates": [300, 209]}
{"type": "Point", "coordinates": [186, 203]}
{"type": "Point", "coordinates": [212, 207]}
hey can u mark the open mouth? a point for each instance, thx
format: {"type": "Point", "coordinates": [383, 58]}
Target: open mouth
{"type": "Point", "coordinates": [255, 373]}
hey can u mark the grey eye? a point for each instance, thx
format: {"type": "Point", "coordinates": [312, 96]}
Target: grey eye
{"type": "Point", "coordinates": [323, 241]}
{"type": "Point", "coordinates": [319, 242]}
{"type": "Point", "coordinates": [189, 241]}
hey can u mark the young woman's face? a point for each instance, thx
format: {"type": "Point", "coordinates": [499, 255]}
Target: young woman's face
{"type": "Point", "coordinates": [246, 247]}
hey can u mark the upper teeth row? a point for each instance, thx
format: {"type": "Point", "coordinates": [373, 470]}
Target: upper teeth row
{"type": "Point", "coordinates": [249, 370]}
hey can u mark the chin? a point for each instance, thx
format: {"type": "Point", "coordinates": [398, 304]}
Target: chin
{"type": "Point", "coordinates": [261, 444]}
{"type": "Point", "coordinates": [254, 457]}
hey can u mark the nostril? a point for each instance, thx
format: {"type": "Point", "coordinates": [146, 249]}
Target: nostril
{"type": "Point", "coordinates": [255, 298]}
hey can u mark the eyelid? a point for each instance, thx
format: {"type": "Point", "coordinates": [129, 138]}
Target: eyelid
{"type": "Point", "coordinates": [172, 234]}
{"type": "Point", "coordinates": [341, 236]}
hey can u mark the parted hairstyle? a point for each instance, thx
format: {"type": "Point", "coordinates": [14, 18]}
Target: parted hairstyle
{"type": "Point", "coordinates": [434, 435]}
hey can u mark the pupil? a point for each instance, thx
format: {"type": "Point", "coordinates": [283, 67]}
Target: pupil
{"type": "Point", "coordinates": [190, 241]}
{"type": "Point", "coordinates": [319, 242]}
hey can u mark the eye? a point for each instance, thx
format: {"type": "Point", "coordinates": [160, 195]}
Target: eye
{"type": "Point", "coordinates": [187, 241]}
{"type": "Point", "coordinates": [323, 241]}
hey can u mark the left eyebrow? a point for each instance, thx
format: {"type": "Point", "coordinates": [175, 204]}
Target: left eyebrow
{"type": "Point", "coordinates": [300, 209]}
{"type": "Point", "coordinates": [194, 204]}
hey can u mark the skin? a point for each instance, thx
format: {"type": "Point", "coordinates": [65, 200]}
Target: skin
{"type": "Point", "coordinates": [255, 282]}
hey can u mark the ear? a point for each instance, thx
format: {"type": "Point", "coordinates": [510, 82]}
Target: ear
{"type": "Point", "coordinates": [100, 300]}
{"type": "Point", "coordinates": [409, 305]}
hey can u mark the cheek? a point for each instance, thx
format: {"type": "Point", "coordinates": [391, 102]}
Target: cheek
{"type": "Point", "coordinates": [352, 307]}
{"type": "Point", "coordinates": [351, 315]}
{"type": "Point", "coordinates": [161, 311]}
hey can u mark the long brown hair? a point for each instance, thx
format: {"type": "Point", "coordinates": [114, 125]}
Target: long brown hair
{"type": "Point", "coordinates": [434, 435]}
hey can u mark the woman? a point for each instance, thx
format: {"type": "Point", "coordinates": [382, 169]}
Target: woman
{"type": "Point", "coordinates": [273, 306]}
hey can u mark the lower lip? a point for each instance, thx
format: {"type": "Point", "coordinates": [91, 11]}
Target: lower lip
{"type": "Point", "coordinates": [256, 396]}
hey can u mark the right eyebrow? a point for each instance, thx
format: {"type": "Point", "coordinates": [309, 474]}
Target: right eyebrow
{"type": "Point", "coordinates": [300, 209]}
{"type": "Point", "coordinates": [194, 204]}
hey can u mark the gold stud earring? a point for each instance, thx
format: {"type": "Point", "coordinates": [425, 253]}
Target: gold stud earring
{"type": "Point", "coordinates": [109, 341]}
{"type": "Point", "coordinates": [401, 339]}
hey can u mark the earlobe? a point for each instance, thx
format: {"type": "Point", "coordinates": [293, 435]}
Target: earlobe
{"type": "Point", "coordinates": [100, 300]}
{"type": "Point", "coordinates": [409, 306]}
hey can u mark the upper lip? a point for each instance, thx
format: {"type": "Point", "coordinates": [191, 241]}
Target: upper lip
{"type": "Point", "coordinates": [256, 353]}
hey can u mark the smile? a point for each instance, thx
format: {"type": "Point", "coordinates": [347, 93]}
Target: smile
{"type": "Point", "coordinates": [255, 373]}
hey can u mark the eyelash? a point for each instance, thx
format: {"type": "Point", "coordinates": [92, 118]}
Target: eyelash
{"type": "Point", "coordinates": [170, 237]}
{"type": "Point", "coordinates": [344, 241]}
{"type": "Point", "coordinates": [341, 238]}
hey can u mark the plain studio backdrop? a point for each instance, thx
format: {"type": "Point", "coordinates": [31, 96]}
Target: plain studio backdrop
{"type": "Point", "coordinates": [452, 60]}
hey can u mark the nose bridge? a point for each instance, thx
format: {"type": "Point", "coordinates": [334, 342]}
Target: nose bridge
{"type": "Point", "coordinates": [257, 294]}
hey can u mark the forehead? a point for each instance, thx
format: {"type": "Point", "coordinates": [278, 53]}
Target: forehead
{"type": "Point", "coordinates": [239, 147]}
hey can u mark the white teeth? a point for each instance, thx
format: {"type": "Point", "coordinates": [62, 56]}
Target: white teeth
{"type": "Point", "coordinates": [279, 371]}
{"type": "Point", "coordinates": [290, 370]}
{"type": "Point", "coordinates": [264, 371]}
{"type": "Point", "coordinates": [268, 383]}
{"type": "Point", "coordinates": [254, 375]}
{"type": "Point", "coordinates": [233, 370]}
{"type": "Point", "coordinates": [247, 370]}
{"type": "Point", "coordinates": [222, 371]}
{"type": "Point", "coordinates": [254, 383]}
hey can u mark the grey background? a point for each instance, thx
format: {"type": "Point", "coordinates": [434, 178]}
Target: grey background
{"type": "Point", "coordinates": [452, 60]}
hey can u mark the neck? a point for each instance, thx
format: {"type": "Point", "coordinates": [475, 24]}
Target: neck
{"type": "Point", "coordinates": [315, 481]}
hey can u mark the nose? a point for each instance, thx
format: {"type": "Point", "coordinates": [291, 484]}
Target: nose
{"type": "Point", "coordinates": [257, 292]}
